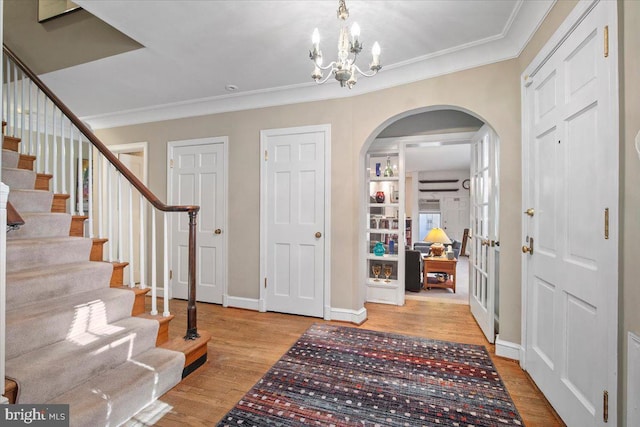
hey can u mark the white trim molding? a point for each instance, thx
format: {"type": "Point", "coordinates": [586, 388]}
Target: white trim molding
{"type": "Point", "coordinates": [508, 349]}
{"type": "Point", "coordinates": [633, 380]}
{"type": "Point", "coordinates": [345, 315]}
{"type": "Point", "coordinates": [4, 196]}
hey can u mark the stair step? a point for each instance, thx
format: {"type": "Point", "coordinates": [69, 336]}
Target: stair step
{"type": "Point", "coordinates": [195, 351]}
{"type": "Point", "coordinates": [71, 361]}
{"type": "Point", "coordinates": [111, 397]}
{"type": "Point", "coordinates": [77, 225]}
{"type": "Point", "coordinates": [25, 254]}
{"type": "Point", "coordinates": [97, 250]}
{"type": "Point", "coordinates": [32, 326]}
{"type": "Point", "coordinates": [163, 329]}
{"type": "Point", "coordinates": [31, 200]}
{"type": "Point", "coordinates": [41, 283]}
{"type": "Point", "coordinates": [42, 225]}
{"type": "Point", "coordinates": [10, 143]}
{"type": "Point", "coordinates": [43, 181]}
{"type": "Point", "coordinates": [10, 159]}
{"type": "Point", "coordinates": [139, 301]}
{"type": "Point", "coordinates": [26, 161]}
{"type": "Point", "coordinates": [117, 279]}
{"type": "Point", "coordinates": [19, 179]}
{"type": "Point", "coordinates": [59, 203]}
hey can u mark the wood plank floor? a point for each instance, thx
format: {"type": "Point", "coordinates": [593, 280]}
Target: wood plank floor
{"type": "Point", "coordinates": [245, 344]}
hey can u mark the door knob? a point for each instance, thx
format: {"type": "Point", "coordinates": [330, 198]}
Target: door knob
{"type": "Point", "coordinates": [526, 249]}
{"type": "Point", "coordinates": [218, 231]}
{"type": "Point", "coordinates": [318, 234]}
{"type": "Point", "coordinates": [529, 211]}
{"type": "Point", "coordinates": [486, 242]}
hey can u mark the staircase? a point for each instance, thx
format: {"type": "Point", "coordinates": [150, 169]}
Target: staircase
{"type": "Point", "coordinates": [74, 335]}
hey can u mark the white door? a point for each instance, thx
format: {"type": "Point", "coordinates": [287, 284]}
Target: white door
{"type": "Point", "coordinates": [198, 178]}
{"type": "Point", "coordinates": [484, 226]}
{"type": "Point", "coordinates": [571, 269]}
{"type": "Point", "coordinates": [293, 217]}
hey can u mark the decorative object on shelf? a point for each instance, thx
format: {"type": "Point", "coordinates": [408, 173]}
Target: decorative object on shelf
{"type": "Point", "coordinates": [391, 247]}
{"type": "Point", "coordinates": [380, 196]}
{"type": "Point", "coordinates": [437, 237]}
{"type": "Point", "coordinates": [384, 223]}
{"type": "Point", "coordinates": [466, 184]}
{"type": "Point", "coordinates": [373, 223]}
{"type": "Point", "coordinates": [387, 270]}
{"type": "Point", "coordinates": [394, 223]}
{"type": "Point", "coordinates": [378, 169]}
{"type": "Point", "coordinates": [388, 171]}
{"type": "Point", "coordinates": [378, 249]}
{"type": "Point", "coordinates": [344, 69]}
{"type": "Point", "coordinates": [376, 269]}
{"type": "Point", "coordinates": [395, 196]}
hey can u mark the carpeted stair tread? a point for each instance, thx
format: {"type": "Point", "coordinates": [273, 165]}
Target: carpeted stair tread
{"type": "Point", "coordinates": [32, 253]}
{"type": "Point", "coordinates": [40, 224]}
{"type": "Point", "coordinates": [36, 325]}
{"type": "Point", "coordinates": [41, 283]}
{"type": "Point", "coordinates": [113, 396]}
{"type": "Point", "coordinates": [10, 159]}
{"type": "Point", "coordinates": [19, 178]}
{"type": "Point", "coordinates": [31, 200]}
{"type": "Point", "coordinates": [70, 362]}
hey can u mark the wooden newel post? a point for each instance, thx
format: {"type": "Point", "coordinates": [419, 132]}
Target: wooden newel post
{"type": "Point", "coordinates": [192, 321]}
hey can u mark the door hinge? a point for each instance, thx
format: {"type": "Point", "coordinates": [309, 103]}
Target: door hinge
{"type": "Point", "coordinates": [171, 163]}
{"type": "Point", "coordinates": [170, 274]}
{"type": "Point", "coordinates": [606, 41]}
{"type": "Point", "coordinates": [606, 223]}
{"type": "Point", "coordinates": [266, 155]}
{"type": "Point", "coordinates": [265, 283]}
{"type": "Point", "coordinates": [605, 406]}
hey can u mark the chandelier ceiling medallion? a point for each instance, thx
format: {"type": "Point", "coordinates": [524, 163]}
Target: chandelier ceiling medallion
{"type": "Point", "coordinates": [344, 69]}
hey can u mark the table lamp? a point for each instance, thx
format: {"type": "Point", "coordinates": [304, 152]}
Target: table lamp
{"type": "Point", "coordinates": [437, 237]}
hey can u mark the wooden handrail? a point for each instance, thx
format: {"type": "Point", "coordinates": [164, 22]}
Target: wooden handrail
{"type": "Point", "coordinates": [192, 210]}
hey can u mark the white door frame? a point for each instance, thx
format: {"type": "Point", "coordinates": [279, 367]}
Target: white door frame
{"type": "Point", "coordinates": [135, 147]}
{"type": "Point", "coordinates": [264, 134]}
{"type": "Point", "coordinates": [566, 28]}
{"type": "Point", "coordinates": [224, 140]}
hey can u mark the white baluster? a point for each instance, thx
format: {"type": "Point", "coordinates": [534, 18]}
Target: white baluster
{"type": "Point", "coordinates": [80, 177]}
{"type": "Point", "coordinates": [30, 139]}
{"type": "Point", "coordinates": [72, 180]}
{"type": "Point", "coordinates": [143, 243]}
{"type": "Point", "coordinates": [109, 195]}
{"type": "Point", "coordinates": [55, 152]}
{"type": "Point", "coordinates": [15, 100]}
{"type": "Point", "coordinates": [38, 132]}
{"type": "Point", "coordinates": [22, 111]}
{"type": "Point", "coordinates": [132, 266]}
{"type": "Point", "coordinates": [46, 136]}
{"type": "Point", "coordinates": [101, 191]}
{"type": "Point", "coordinates": [119, 204]}
{"type": "Point", "coordinates": [154, 265]}
{"type": "Point", "coordinates": [90, 187]}
{"type": "Point", "coordinates": [166, 268]}
{"type": "Point", "coordinates": [63, 158]}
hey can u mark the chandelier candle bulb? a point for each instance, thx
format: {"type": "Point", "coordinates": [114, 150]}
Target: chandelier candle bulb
{"type": "Point", "coordinates": [375, 53]}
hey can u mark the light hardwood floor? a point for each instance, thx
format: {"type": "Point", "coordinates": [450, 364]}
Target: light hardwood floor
{"type": "Point", "coordinates": [245, 344]}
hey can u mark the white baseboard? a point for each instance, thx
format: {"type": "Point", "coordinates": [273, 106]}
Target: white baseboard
{"type": "Point", "coordinates": [633, 380]}
{"type": "Point", "coordinates": [345, 315]}
{"type": "Point", "coordinates": [507, 349]}
{"type": "Point", "coordinates": [239, 302]}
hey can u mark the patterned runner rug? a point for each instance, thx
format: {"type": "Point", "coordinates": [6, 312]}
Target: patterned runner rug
{"type": "Point", "coordinates": [343, 376]}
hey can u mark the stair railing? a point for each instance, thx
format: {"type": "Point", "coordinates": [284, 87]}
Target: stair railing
{"type": "Point", "coordinates": [81, 165]}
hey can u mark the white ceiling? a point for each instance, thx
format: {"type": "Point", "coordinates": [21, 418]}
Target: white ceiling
{"type": "Point", "coordinates": [194, 48]}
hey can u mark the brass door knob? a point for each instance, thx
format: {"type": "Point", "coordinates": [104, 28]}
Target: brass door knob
{"type": "Point", "coordinates": [529, 211]}
{"type": "Point", "coordinates": [218, 231]}
{"type": "Point", "coordinates": [526, 250]}
{"type": "Point", "coordinates": [318, 234]}
{"type": "Point", "coordinates": [486, 242]}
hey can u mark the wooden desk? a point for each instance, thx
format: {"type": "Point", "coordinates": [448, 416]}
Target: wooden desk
{"type": "Point", "coordinates": [440, 265]}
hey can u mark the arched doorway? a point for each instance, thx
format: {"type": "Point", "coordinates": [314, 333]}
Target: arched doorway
{"type": "Point", "coordinates": [443, 175]}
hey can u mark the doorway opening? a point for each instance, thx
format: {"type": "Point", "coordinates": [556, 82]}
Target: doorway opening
{"type": "Point", "coordinates": [436, 168]}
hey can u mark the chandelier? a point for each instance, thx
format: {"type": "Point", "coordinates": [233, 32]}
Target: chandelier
{"type": "Point", "coordinates": [344, 69]}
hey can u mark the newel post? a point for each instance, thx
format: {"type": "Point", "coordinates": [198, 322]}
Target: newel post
{"type": "Point", "coordinates": [192, 321]}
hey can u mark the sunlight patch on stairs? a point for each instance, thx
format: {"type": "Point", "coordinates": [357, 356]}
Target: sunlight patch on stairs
{"type": "Point", "coordinates": [149, 415]}
{"type": "Point", "coordinates": [90, 323]}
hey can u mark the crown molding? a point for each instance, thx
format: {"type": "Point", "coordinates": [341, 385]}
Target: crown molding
{"type": "Point", "coordinates": [521, 26]}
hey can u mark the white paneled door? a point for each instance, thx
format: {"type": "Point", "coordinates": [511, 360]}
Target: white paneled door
{"type": "Point", "coordinates": [570, 233]}
{"type": "Point", "coordinates": [197, 177]}
{"type": "Point", "coordinates": [293, 217]}
{"type": "Point", "coordinates": [484, 226]}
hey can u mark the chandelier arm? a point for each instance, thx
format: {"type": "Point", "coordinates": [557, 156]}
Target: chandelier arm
{"type": "Point", "coordinates": [325, 79]}
{"type": "Point", "coordinates": [328, 67]}
{"type": "Point", "coordinates": [373, 73]}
